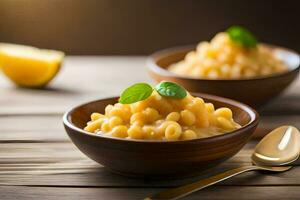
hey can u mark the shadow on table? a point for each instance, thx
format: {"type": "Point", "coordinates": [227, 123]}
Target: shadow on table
{"type": "Point", "coordinates": [51, 90]}
{"type": "Point", "coordinates": [281, 105]}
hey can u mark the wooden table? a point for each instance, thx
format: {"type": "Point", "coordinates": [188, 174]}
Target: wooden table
{"type": "Point", "coordinates": [38, 161]}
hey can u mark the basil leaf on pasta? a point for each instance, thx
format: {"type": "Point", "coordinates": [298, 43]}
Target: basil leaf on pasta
{"type": "Point", "coordinates": [242, 36]}
{"type": "Point", "coordinates": [135, 93]}
{"type": "Point", "coordinates": [170, 89]}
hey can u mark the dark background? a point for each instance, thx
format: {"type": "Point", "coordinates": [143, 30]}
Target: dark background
{"type": "Point", "coordinates": [142, 26]}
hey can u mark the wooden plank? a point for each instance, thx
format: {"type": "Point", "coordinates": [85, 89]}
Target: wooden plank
{"type": "Point", "coordinates": [19, 136]}
{"type": "Point", "coordinates": [31, 123]}
{"type": "Point", "coordinates": [214, 192]}
{"type": "Point", "coordinates": [85, 78]}
{"type": "Point", "coordinates": [61, 164]}
{"type": "Point", "coordinates": [103, 178]}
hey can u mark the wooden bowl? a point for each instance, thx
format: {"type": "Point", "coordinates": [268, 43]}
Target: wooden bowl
{"type": "Point", "coordinates": [159, 159]}
{"type": "Point", "coordinates": [253, 91]}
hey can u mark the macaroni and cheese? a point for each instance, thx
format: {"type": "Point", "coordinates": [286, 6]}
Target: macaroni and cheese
{"type": "Point", "coordinates": [222, 58]}
{"type": "Point", "coordinates": [163, 118]}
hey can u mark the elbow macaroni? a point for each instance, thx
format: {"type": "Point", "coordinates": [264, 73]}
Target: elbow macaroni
{"type": "Point", "coordinates": [223, 59]}
{"type": "Point", "coordinates": [173, 131]}
{"type": "Point", "coordinates": [161, 118]}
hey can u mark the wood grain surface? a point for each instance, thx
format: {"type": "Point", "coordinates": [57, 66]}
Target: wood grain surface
{"type": "Point", "coordinates": [38, 161]}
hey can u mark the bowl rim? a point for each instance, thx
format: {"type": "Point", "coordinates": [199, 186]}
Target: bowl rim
{"type": "Point", "coordinates": [254, 120]}
{"type": "Point", "coordinates": [151, 63]}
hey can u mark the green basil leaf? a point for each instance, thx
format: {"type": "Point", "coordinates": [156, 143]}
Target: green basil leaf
{"type": "Point", "coordinates": [170, 89]}
{"type": "Point", "coordinates": [242, 36]}
{"type": "Point", "coordinates": [135, 93]}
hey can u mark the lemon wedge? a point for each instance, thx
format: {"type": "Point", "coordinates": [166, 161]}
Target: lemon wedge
{"type": "Point", "coordinates": [29, 66]}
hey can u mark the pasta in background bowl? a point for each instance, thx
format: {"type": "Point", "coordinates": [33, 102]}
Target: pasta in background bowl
{"type": "Point", "coordinates": [253, 75]}
{"type": "Point", "coordinates": [223, 59]}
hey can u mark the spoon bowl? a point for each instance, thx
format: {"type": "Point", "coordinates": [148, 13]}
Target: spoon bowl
{"type": "Point", "coordinates": [280, 147]}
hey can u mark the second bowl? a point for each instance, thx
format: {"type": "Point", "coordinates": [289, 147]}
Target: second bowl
{"type": "Point", "coordinates": [252, 91]}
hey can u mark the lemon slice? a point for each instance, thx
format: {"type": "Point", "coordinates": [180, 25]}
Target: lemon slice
{"type": "Point", "coordinates": [29, 66]}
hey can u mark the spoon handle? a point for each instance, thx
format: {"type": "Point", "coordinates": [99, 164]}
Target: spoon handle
{"type": "Point", "coordinates": [182, 191]}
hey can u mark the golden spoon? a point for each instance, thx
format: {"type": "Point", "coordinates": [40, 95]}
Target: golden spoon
{"type": "Point", "coordinates": [279, 147]}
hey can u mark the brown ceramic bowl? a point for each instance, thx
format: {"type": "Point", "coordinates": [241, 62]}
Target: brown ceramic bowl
{"type": "Point", "coordinates": [253, 91]}
{"type": "Point", "coordinates": [157, 159]}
